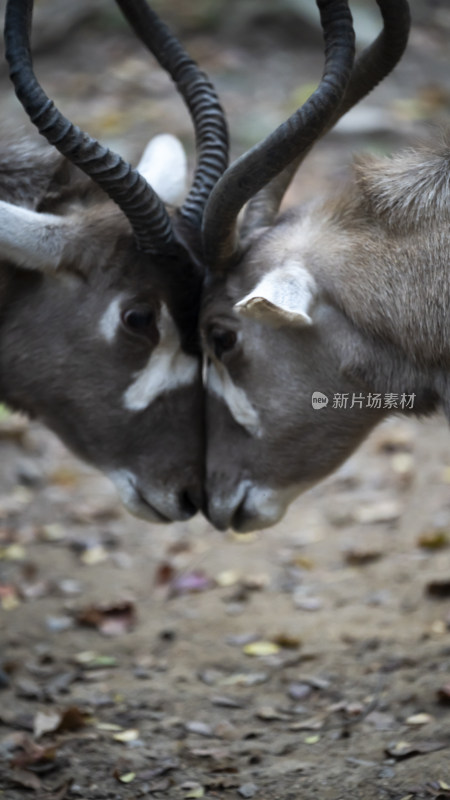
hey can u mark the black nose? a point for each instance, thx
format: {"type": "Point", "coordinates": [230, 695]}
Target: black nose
{"type": "Point", "coordinates": [190, 501]}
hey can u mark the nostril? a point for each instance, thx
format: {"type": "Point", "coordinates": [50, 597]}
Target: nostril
{"type": "Point", "coordinates": [189, 502]}
{"type": "Point", "coordinates": [239, 516]}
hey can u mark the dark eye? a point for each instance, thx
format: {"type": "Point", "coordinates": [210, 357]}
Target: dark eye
{"type": "Point", "coordinates": [222, 341]}
{"type": "Point", "coordinates": [141, 322]}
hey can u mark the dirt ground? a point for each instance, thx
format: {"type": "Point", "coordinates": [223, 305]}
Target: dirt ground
{"type": "Point", "coordinates": [308, 661]}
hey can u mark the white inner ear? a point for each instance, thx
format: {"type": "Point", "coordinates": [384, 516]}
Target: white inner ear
{"type": "Point", "coordinates": [284, 296]}
{"type": "Point", "coordinates": [32, 240]}
{"type": "Point", "coordinates": [164, 166]}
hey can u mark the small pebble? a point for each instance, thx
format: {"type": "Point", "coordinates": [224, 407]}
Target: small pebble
{"type": "Point", "coordinates": [247, 790]}
{"type": "Point", "coordinates": [58, 624]}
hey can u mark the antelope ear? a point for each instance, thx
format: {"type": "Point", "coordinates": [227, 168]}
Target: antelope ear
{"type": "Point", "coordinates": [164, 166]}
{"type": "Point", "coordinates": [31, 240]}
{"type": "Point", "coordinates": [283, 297]}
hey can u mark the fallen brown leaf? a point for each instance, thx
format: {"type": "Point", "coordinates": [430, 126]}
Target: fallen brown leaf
{"type": "Point", "coordinates": [443, 693]}
{"type": "Point", "coordinates": [402, 750]}
{"type": "Point", "coordinates": [28, 780]}
{"type": "Point", "coordinates": [434, 540]}
{"type": "Point", "coordinates": [360, 557]}
{"type": "Point", "coordinates": [109, 620]}
{"type": "Point", "coordinates": [439, 588]}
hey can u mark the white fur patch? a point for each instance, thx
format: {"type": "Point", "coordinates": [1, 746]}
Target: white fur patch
{"type": "Point", "coordinates": [219, 383]}
{"type": "Point", "coordinates": [32, 240]}
{"type": "Point", "coordinates": [110, 320]}
{"type": "Point", "coordinates": [168, 368]}
{"type": "Point", "coordinates": [164, 166]}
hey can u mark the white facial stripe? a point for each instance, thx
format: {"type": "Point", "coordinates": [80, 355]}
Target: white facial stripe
{"type": "Point", "coordinates": [236, 400]}
{"type": "Point", "coordinates": [167, 368]}
{"type": "Point", "coordinates": [110, 320]}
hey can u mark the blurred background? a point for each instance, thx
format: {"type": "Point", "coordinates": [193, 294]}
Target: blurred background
{"type": "Point", "coordinates": [352, 585]}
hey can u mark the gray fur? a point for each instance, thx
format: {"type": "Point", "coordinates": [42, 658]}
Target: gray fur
{"type": "Point", "coordinates": [379, 253]}
{"type": "Point", "coordinates": [54, 363]}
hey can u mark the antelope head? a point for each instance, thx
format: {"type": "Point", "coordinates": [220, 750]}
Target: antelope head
{"type": "Point", "coordinates": [271, 335]}
{"type": "Point", "coordinates": [100, 284]}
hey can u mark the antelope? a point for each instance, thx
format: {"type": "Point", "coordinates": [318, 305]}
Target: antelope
{"type": "Point", "coordinates": [311, 318]}
{"type": "Point", "coordinates": [100, 282]}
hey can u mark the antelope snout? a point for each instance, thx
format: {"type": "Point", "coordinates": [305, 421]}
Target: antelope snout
{"type": "Point", "coordinates": [157, 504]}
{"type": "Point", "coordinates": [245, 508]}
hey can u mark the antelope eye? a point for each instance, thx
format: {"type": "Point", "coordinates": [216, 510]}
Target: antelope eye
{"type": "Point", "coordinates": [222, 341]}
{"type": "Point", "coordinates": [141, 322]}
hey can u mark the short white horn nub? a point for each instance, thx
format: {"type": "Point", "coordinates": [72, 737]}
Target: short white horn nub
{"type": "Point", "coordinates": [31, 240]}
{"type": "Point", "coordinates": [284, 296]}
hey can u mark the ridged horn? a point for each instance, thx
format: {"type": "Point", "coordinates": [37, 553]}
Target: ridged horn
{"type": "Point", "coordinates": [246, 176]}
{"type": "Point", "coordinates": [124, 185]}
{"type": "Point", "coordinates": [371, 67]}
{"type": "Point", "coordinates": [200, 96]}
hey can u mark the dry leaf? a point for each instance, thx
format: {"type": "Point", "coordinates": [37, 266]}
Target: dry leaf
{"type": "Point", "coordinates": [45, 722]}
{"type": "Point", "coordinates": [9, 599]}
{"type": "Point", "coordinates": [189, 583]}
{"type": "Point", "coordinates": [26, 779]}
{"type": "Point", "coordinates": [110, 620]}
{"type": "Point", "coordinates": [14, 552]}
{"type": "Point", "coordinates": [358, 557]}
{"type": "Point", "coordinates": [244, 679]}
{"type": "Point", "coordinates": [419, 719]}
{"type": "Point", "coordinates": [287, 641]}
{"type": "Point", "coordinates": [444, 693]}
{"type": "Point", "coordinates": [193, 794]}
{"type": "Point", "coordinates": [439, 588]}
{"type": "Point", "coordinates": [94, 555]}
{"type": "Point", "coordinates": [198, 727]}
{"type": "Point", "coordinates": [164, 574]}
{"type": "Point", "coordinates": [385, 511]}
{"type": "Point", "coordinates": [227, 578]}
{"type": "Point", "coordinates": [402, 750]}
{"type": "Point", "coordinates": [71, 719]}
{"type": "Point", "coordinates": [127, 778]}
{"type": "Point", "coordinates": [434, 540]}
{"type": "Point", "coordinates": [269, 713]}
{"type": "Point", "coordinates": [129, 735]}
{"type": "Point", "coordinates": [261, 648]}
{"type": "Point", "coordinates": [311, 724]}
{"type": "Point", "coordinates": [88, 659]}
